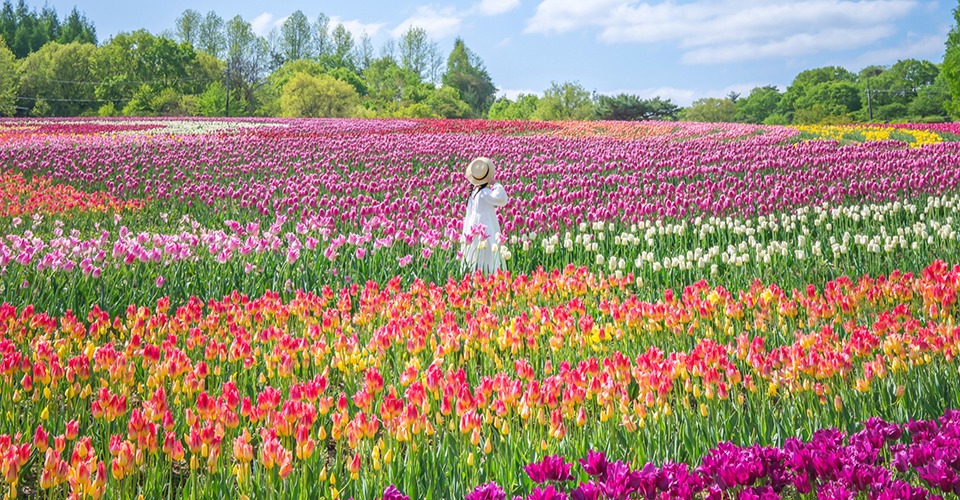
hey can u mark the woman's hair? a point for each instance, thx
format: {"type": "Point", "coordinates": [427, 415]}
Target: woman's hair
{"type": "Point", "coordinates": [477, 189]}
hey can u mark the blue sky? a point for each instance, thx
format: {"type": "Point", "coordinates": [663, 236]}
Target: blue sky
{"type": "Point", "coordinates": [680, 49]}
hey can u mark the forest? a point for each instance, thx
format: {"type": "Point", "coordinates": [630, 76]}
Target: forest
{"type": "Point", "coordinates": [206, 65]}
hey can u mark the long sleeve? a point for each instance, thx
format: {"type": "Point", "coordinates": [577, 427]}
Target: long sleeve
{"type": "Point", "coordinates": [496, 195]}
{"type": "Point", "coordinates": [478, 253]}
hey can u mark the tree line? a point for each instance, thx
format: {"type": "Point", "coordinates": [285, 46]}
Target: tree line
{"type": "Point", "coordinates": [208, 66]}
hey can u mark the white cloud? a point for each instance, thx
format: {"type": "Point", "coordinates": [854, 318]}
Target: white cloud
{"type": "Point", "coordinates": [438, 23]}
{"type": "Point", "coordinates": [679, 96]}
{"type": "Point", "coordinates": [796, 45]}
{"type": "Point", "coordinates": [265, 22]}
{"type": "Point", "coordinates": [928, 47]}
{"type": "Point", "coordinates": [728, 30]}
{"type": "Point", "coordinates": [686, 96]}
{"type": "Point", "coordinates": [355, 27]}
{"type": "Point", "coordinates": [561, 16]}
{"type": "Point", "coordinates": [496, 7]}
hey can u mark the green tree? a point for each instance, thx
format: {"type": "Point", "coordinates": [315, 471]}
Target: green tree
{"type": "Point", "coordinates": [275, 57]}
{"type": "Point", "coordinates": [211, 36]}
{"type": "Point", "coordinates": [26, 31]}
{"type": "Point", "coordinates": [632, 107]}
{"type": "Point", "coordinates": [621, 107]}
{"type": "Point", "coordinates": [521, 109]}
{"type": "Point", "coordinates": [152, 101]}
{"type": "Point", "coordinates": [268, 94]}
{"type": "Point", "coordinates": [296, 37]}
{"type": "Point", "coordinates": [415, 110]}
{"type": "Point", "coordinates": [59, 76]}
{"type": "Point", "coordinates": [347, 76]}
{"type": "Point", "coordinates": [130, 60]}
{"type": "Point", "coordinates": [317, 96]}
{"type": "Point", "coordinates": [710, 109]}
{"type": "Point", "coordinates": [8, 23]}
{"type": "Point", "coordinates": [836, 98]}
{"type": "Point", "coordinates": [445, 102]}
{"type": "Point", "coordinates": [662, 109]}
{"type": "Point", "coordinates": [932, 100]}
{"type": "Point", "coordinates": [342, 48]}
{"type": "Point", "coordinates": [564, 101]}
{"type": "Point", "coordinates": [418, 54]}
{"type": "Point", "coordinates": [466, 73]}
{"type": "Point", "coordinates": [188, 27]}
{"type": "Point", "coordinates": [48, 24]}
{"type": "Point", "coordinates": [213, 100]}
{"type": "Point", "coordinates": [951, 64]}
{"type": "Point", "coordinates": [821, 114]}
{"type": "Point", "coordinates": [108, 110]}
{"type": "Point", "coordinates": [915, 74]}
{"type": "Point", "coordinates": [247, 61]}
{"type": "Point", "coordinates": [891, 112]}
{"type": "Point", "coordinates": [759, 105]}
{"type": "Point", "coordinates": [322, 44]}
{"type": "Point", "coordinates": [77, 28]}
{"type": "Point", "coordinates": [363, 52]}
{"type": "Point", "coordinates": [776, 119]}
{"type": "Point", "coordinates": [279, 78]}
{"type": "Point", "coordinates": [898, 85]}
{"type": "Point", "coordinates": [206, 69]}
{"type": "Point", "coordinates": [805, 82]}
{"type": "Point", "coordinates": [389, 86]}
{"type": "Point", "coordinates": [9, 83]}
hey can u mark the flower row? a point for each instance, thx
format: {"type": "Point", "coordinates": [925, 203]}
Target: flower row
{"type": "Point", "coordinates": [246, 391]}
{"type": "Point", "coordinates": [882, 461]}
{"type": "Point", "coordinates": [915, 136]}
{"type": "Point", "coordinates": [554, 181]}
{"type": "Point", "coordinates": [40, 195]}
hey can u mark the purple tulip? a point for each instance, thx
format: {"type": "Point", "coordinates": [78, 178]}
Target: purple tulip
{"type": "Point", "coordinates": [834, 491]}
{"type": "Point", "coordinates": [900, 490]}
{"type": "Point", "coordinates": [392, 493]}
{"type": "Point", "coordinates": [595, 463]}
{"type": "Point", "coordinates": [619, 482]}
{"type": "Point", "coordinates": [487, 491]}
{"type": "Point", "coordinates": [586, 491]}
{"type": "Point", "coordinates": [551, 468]}
{"type": "Point", "coordinates": [548, 493]}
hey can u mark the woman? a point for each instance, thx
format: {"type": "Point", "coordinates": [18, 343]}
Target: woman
{"type": "Point", "coordinates": [481, 228]}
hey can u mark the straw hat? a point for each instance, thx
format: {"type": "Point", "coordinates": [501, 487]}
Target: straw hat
{"type": "Point", "coordinates": [480, 171]}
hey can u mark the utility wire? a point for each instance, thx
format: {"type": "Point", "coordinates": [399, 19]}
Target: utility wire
{"type": "Point", "coordinates": [144, 82]}
{"type": "Point", "coordinates": [73, 100]}
{"type": "Point", "coordinates": [905, 91]}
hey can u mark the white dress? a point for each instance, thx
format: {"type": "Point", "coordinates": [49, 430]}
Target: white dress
{"type": "Point", "coordinates": [481, 218]}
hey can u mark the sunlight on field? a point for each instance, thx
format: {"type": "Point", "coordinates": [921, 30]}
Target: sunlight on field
{"type": "Point", "coordinates": [276, 308]}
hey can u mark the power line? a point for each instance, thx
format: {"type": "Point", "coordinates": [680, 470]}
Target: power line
{"type": "Point", "coordinates": [143, 82]}
{"type": "Point", "coordinates": [125, 99]}
{"type": "Point", "coordinates": [907, 91]}
{"type": "Point", "coordinates": [73, 100]}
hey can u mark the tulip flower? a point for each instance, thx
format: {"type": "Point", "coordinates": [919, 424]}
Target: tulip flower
{"type": "Point", "coordinates": [551, 468]}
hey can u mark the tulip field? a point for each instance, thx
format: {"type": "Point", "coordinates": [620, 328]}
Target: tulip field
{"type": "Point", "coordinates": [267, 308]}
